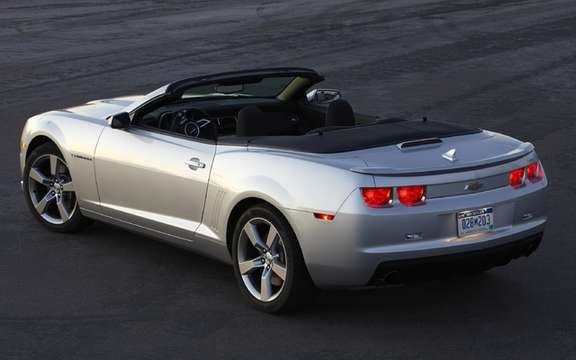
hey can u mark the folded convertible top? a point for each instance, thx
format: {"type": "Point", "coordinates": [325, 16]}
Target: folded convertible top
{"type": "Point", "coordinates": [359, 137]}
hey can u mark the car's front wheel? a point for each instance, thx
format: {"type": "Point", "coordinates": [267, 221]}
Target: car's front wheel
{"type": "Point", "coordinates": [268, 262]}
{"type": "Point", "coordinates": [49, 190]}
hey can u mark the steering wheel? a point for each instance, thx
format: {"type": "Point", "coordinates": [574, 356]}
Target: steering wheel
{"type": "Point", "coordinates": [192, 121]}
{"type": "Point", "coordinates": [189, 122]}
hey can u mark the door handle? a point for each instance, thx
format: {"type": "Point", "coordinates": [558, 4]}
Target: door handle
{"type": "Point", "coordinates": [195, 164]}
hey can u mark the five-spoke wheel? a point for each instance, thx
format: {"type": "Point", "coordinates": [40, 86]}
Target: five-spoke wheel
{"type": "Point", "coordinates": [262, 259]}
{"type": "Point", "coordinates": [49, 190]}
{"type": "Point", "coordinates": [268, 262]}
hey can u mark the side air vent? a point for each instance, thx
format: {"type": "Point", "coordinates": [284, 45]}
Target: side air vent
{"type": "Point", "coordinates": [416, 143]}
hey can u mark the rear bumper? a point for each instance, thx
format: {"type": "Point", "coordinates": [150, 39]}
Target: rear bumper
{"type": "Point", "coordinates": [351, 249]}
{"type": "Point", "coordinates": [426, 267]}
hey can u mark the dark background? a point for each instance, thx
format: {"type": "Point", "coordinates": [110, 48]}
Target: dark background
{"type": "Point", "coordinates": [507, 66]}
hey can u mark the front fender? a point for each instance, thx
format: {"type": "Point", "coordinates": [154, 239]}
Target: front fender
{"type": "Point", "coordinates": [76, 139]}
{"type": "Point", "coordinates": [39, 127]}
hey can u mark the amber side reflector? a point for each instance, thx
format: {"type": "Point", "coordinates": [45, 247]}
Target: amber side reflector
{"type": "Point", "coordinates": [326, 217]}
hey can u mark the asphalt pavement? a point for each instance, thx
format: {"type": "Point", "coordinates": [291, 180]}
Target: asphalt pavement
{"type": "Point", "coordinates": [504, 65]}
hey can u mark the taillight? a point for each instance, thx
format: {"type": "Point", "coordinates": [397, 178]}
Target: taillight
{"type": "Point", "coordinates": [516, 178]}
{"type": "Point", "coordinates": [377, 197]}
{"type": "Point", "coordinates": [534, 171]}
{"type": "Point", "coordinates": [411, 195]}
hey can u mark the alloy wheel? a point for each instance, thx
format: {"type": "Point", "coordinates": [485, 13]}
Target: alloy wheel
{"type": "Point", "coordinates": [51, 190]}
{"type": "Point", "coordinates": [262, 259]}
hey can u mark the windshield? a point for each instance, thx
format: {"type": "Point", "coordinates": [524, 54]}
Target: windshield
{"type": "Point", "coordinates": [266, 87]}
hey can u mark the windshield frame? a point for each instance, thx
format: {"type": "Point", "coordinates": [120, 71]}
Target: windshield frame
{"type": "Point", "coordinates": [253, 88]}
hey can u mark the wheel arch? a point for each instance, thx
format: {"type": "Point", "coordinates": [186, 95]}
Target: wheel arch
{"type": "Point", "coordinates": [37, 131]}
{"type": "Point", "coordinates": [240, 207]}
{"type": "Point", "coordinates": [37, 141]}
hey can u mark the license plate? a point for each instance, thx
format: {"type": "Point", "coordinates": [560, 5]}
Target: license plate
{"type": "Point", "coordinates": [475, 221]}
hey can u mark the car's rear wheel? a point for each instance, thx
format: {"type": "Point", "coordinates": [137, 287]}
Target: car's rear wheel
{"type": "Point", "coordinates": [49, 190]}
{"type": "Point", "coordinates": [268, 262]}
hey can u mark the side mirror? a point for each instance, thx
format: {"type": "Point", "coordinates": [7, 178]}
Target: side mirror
{"type": "Point", "coordinates": [119, 121]}
{"type": "Point", "coordinates": [323, 96]}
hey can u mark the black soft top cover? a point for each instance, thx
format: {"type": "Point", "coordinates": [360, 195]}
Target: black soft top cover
{"type": "Point", "coordinates": [358, 137]}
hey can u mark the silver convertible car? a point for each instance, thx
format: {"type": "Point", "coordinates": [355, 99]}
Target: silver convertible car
{"type": "Point", "coordinates": [287, 183]}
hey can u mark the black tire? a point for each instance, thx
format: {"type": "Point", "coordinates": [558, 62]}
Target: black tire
{"type": "Point", "coordinates": [298, 289]}
{"type": "Point", "coordinates": [77, 221]}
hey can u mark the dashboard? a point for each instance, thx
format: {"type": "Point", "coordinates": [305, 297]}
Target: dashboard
{"type": "Point", "coordinates": [188, 122]}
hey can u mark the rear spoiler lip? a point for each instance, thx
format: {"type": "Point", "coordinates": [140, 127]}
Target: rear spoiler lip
{"type": "Point", "coordinates": [521, 151]}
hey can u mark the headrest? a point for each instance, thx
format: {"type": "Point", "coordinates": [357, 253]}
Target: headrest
{"type": "Point", "coordinates": [340, 113]}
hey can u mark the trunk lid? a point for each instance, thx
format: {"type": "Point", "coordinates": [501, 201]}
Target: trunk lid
{"type": "Point", "coordinates": [435, 156]}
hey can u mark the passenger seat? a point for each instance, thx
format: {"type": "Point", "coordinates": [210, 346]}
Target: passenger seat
{"type": "Point", "coordinates": [338, 115]}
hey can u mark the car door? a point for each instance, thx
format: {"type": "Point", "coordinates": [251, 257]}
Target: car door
{"type": "Point", "coordinates": [153, 179]}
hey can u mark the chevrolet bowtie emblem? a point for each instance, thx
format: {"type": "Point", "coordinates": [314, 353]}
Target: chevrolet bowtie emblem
{"type": "Point", "coordinates": [474, 186]}
{"type": "Point", "coordinates": [450, 155]}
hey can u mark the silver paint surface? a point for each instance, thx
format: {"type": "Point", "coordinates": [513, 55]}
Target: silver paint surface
{"type": "Point", "coordinates": [143, 181]}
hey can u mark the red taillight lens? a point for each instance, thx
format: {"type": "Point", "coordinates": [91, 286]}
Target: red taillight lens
{"type": "Point", "coordinates": [411, 195]}
{"type": "Point", "coordinates": [377, 197]}
{"type": "Point", "coordinates": [534, 171]}
{"type": "Point", "coordinates": [516, 178]}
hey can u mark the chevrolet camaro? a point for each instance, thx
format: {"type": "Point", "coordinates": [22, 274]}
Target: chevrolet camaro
{"type": "Point", "coordinates": [285, 181]}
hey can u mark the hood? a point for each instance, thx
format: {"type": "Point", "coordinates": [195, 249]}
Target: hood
{"type": "Point", "coordinates": [101, 109]}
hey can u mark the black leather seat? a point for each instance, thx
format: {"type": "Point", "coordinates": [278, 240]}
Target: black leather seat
{"type": "Point", "coordinates": [252, 121]}
{"type": "Point", "coordinates": [340, 113]}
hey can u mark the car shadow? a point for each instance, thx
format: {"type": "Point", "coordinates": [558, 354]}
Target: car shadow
{"type": "Point", "coordinates": [174, 276]}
